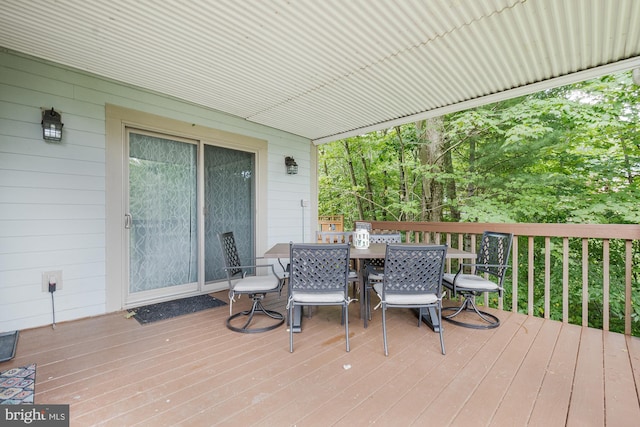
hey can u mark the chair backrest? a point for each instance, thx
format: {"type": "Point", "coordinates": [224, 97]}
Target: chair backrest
{"type": "Point", "coordinates": [385, 238]}
{"type": "Point", "coordinates": [319, 268]}
{"type": "Point", "coordinates": [413, 269]}
{"type": "Point", "coordinates": [230, 253]}
{"type": "Point", "coordinates": [493, 255]}
{"type": "Point", "coordinates": [378, 263]}
{"type": "Point", "coordinates": [334, 236]}
{"type": "Point", "coordinates": [362, 225]}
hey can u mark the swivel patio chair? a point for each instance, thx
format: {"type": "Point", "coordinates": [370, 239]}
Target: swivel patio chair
{"type": "Point", "coordinates": [255, 286]}
{"type": "Point", "coordinates": [319, 276]}
{"type": "Point", "coordinates": [413, 279]}
{"type": "Point", "coordinates": [372, 271]}
{"type": "Point", "coordinates": [491, 263]}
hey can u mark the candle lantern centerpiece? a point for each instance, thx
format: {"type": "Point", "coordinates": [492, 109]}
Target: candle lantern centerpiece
{"type": "Point", "coordinates": [361, 239]}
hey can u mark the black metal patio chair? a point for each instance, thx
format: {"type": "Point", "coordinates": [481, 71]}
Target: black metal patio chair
{"type": "Point", "coordinates": [487, 276]}
{"type": "Point", "coordinates": [254, 285]}
{"type": "Point", "coordinates": [318, 276]}
{"type": "Point", "coordinates": [412, 279]}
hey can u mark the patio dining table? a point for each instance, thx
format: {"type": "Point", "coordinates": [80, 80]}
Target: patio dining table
{"type": "Point", "coordinates": [375, 250]}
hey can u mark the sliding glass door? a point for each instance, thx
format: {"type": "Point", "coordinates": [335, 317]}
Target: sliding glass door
{"type": "Point", "coordinates": [169, 178]}
{"type": "Point", "coordinates": [229, 197]}
{"type": "Point", "coordinates": [162, 219]}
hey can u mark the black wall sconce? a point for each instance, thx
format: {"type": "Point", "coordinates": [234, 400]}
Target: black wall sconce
{"type": "Point", "coordinates": [292, 166]}
{"type": "Point", "coordinates": [52, 125]}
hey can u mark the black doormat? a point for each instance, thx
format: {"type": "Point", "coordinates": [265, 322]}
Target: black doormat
{"type": "Point", "coordinates": [167, 310]}
{"type": "Point", "coordinates": [8, 343]}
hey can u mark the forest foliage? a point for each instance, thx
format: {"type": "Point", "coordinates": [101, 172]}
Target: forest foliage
{"type": "Point", "coordinates": [564, 155]}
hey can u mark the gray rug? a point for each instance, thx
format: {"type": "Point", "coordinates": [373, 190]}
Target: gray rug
{"type": "Point", "coordinates": [167, 310]}
{"type": "Point", "coordinates": [8, 343]}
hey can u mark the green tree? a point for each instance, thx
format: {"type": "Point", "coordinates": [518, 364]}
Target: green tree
{"type": "Point", "coordinates": [566, 155]}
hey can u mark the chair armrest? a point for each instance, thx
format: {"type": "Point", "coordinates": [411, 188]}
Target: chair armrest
{"type": "Point", "coordinates": [243, 268]}
{"type": "Point", "coordinates": [248, 266]}
{"type": "Point", "coordinates": [477, 264]}
{"type": "Point", "coordinates": [462, 265]}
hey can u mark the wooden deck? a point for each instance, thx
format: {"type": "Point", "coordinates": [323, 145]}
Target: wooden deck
{"type": "Point", "coordinates": [193, 371]}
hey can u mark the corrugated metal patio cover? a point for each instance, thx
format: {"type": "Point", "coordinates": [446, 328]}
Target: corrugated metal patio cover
{"type": "Point", "coordinates": [325, 69]}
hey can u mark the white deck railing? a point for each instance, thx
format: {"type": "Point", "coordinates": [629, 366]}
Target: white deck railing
{"type": "Point", "coordinates": [540, 240]}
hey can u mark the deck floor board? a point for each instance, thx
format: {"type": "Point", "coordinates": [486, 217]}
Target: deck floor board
{"type": "Point", "coordinates": [193, 371]}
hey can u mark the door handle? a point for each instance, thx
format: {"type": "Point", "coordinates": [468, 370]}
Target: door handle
{"type": "Point", "coordinates": [128, 221]}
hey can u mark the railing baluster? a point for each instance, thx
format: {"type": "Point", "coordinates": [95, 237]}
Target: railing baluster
{"type": "Point", "coordinates": [585, 282]}
{"type": "Point", "coordinates": [501, 299]}
{"type": "Point", "coordinates": [565, 279]}
{"type": "Point", "coordinates": [530, 281]}
{"type": "Point", "coordinates": [448, 260]}
{"type": "Point", "coordinates": [547, 276]}
{"type": "Point", "coordinates": [628, 266]}
{"type": "Point", "coordinates": [514, 275]}
{"type": "Point", "coordinates": [605, 285]}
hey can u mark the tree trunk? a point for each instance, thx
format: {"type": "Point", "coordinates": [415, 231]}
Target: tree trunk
{"type": "Point", "coordinates": [472, 165]}
{"type": "Point", "coordinates": [354, 182]}
{"type": "Point", "coordinates": [325, 167]}
{"type": "Point", "coordinates": [450, 184]}
{"type": "Point", "coordinates": [431, 140]}
{"type": "Point", "coordinates": [368, 188]}
{"type": "Point", "coordinates": [404, 197]}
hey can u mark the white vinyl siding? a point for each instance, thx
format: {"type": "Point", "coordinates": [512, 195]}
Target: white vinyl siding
{"type": "Point", "coordinates": [53, 196]}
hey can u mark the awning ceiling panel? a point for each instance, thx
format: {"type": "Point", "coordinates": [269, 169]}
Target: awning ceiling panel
{"type": "Point", "coordinates": [332, 68]}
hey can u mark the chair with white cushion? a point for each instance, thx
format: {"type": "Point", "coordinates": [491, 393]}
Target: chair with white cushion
{"type": "Point", "coordinates": [486, 276]}
{"type": "Point", "coordinates": [412, 279]}
{"type": "Point", "coordinates": [253, 285]}
{"type": "Point", "coordinates": [318, 276]}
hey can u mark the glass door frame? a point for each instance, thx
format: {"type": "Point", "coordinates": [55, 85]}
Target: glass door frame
{"type": "Point", "coordinates": [259, 149]}
{"type": "Point", "coordinates": [118, 119]}
{"type": "Point", "coordinates": [166, 291]}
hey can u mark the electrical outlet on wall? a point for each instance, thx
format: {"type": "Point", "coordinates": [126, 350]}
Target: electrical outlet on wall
{"type": "Point", "coordinates": [48, 276]}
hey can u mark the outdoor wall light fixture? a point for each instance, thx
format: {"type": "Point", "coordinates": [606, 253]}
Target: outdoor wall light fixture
{"type": "Point", "coordinates": [292, 166]}
{"type": "Point", "coordinates": [51, 125]}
